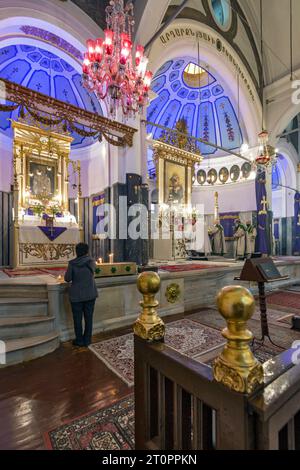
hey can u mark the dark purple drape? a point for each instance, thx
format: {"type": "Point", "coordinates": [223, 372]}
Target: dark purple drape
{"type": "Point", "coordinates": [296, 227]}
{"type": "Point", "coordinates": [276, 230]}
{"type": "Point", "coordinates": [97, 201]}
{"type": "Point", "coordinates": [261, 195]}
{"type": "Point", "coordinates": [227, 221]}
{"type": "Point", "coordinates": [53, 232]}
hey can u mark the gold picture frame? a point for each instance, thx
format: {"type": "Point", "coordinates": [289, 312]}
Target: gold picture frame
{"type": "Point", "coordinates": [36, 182]}
{"type": "Point", "coordinates": [175, 190]}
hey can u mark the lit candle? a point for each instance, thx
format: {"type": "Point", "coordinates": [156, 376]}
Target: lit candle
{"type": "Point", "coordinates": [59, 278]}
{"type": "Point", "coordinates": [111, 258]}
{"type": "Point", "coordinates": [100, 261]}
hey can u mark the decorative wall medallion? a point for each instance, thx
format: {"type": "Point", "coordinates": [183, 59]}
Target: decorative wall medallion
{"type": "Point", "coordinates": [173, 293]}
{"type": "Point", "coordinates": [201, 177]}
{"type": "Point", "coordinates": [212, 176]}
{"type": "Point", "coordinates": [235, 173]}
{"type": "Point", "coordinates": [246, 170]}
{"type": "Point", "coordinates": [223, 175]}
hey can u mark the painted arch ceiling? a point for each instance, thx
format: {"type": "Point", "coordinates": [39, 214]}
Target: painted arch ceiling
{"type": "Point", "coordinates": [208, 110]}
{"type": "Point", "coordinates": [43, 71]}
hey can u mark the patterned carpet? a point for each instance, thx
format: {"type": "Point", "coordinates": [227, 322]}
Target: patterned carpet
{"type": "Point", "coordinates": [185, 336]}
{"type": "Point", "coordinates": [22, 272]}
{"type": "Point", "coordinates": [15, 273]}
{"type": "Point", "coordinates": [189, 267]}
{"type": "Point", "coordinates": [279, 333]}
{"type": "Point", "coordinates": [285, 299]}
{"type": "Point", "coordinates": [111, 428]}
{"type": "Point", "coordinates": [275, 316]}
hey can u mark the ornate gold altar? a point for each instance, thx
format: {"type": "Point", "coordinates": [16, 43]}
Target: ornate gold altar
{"type": "Point", "coordinates": [45, 233]}
{"type": "Point", "coordinates": [175, 157]}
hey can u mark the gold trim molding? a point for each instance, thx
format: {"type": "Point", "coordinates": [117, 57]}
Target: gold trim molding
{"type": "Point", "coordinates": [47, 251]}
{"type": "Point", "coordinates": [116, 133]}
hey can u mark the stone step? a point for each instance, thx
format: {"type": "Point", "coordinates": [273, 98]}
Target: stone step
{"type": "Point", "coordinates": [17, 328]}
{"type": "Point", "coordinates": [26, 307]}
{"type": "Point", "coordinates": [23, 290]}
{"type": "Point", "coordinates": [27, 349]}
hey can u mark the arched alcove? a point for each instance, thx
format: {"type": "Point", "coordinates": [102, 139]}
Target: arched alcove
{"type": "Point", "coordinates": [43, 56]}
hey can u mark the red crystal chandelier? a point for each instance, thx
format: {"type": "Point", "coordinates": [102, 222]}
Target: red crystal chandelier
{"type": "Point", "coordinates": [111, 69]}
{"type": "Point", "coordinates": [267, 155]}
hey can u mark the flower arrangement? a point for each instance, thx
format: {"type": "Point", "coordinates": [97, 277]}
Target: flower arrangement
{"type": "Point", "coordinates": [44, 208]}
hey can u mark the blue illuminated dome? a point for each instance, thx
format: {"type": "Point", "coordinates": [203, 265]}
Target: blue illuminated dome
{"type": "Point", "coordinates": [185, 90]}
{"type": "Point", "coordinates": [43, 71]}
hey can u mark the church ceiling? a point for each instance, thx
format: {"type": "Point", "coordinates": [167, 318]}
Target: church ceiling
{"type": "Point", "coordinates": [43, 71]}
{"type": "Point", "coordinates": [209, 113]}
{"type": "Point", "coordinates": [95, 9]}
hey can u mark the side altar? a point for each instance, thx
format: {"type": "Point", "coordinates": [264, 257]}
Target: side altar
{"type": "Point", "coordinates": [45, 233]}
{"type": "Point", "coordinates": [175, 157]}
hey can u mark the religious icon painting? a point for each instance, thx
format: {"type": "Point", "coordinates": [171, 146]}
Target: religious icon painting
{"type": "Point", "coordinates": [41, 179]}
{"type": "Point", "coordinates": [246, 170]}
{"type": "Point", "coordinates": [175, 183]}
{"type": "Point", "coordinates": [201, 177]}
{"type": "Point", "coordinates": [223, 175]}
{"type": "Point", "coordinates": [235, 173]}
{"type": "Point", "coordinates": [212, 176]}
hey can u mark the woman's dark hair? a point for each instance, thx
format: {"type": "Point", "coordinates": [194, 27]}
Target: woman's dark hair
{"type": "Point", "coordinates": [82, 249]}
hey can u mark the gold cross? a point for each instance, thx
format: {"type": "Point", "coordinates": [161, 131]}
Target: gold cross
{"type": "Point", "coordinates": [265, 204]}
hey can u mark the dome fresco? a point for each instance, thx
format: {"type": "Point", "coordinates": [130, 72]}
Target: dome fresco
{"type": "Point", "coordinates": [43, 71]}
{"type": "Point", "coordinates": [207, 108]}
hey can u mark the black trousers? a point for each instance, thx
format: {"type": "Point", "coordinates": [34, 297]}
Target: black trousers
{"type": "Point", "coordinates": [86, 310]}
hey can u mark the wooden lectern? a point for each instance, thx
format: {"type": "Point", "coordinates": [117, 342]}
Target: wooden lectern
{"type": "Point", "coordinates": [261, 270]}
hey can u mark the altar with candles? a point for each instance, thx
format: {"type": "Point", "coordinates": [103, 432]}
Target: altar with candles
{"type": "Point", "coordinates": [45, 232]}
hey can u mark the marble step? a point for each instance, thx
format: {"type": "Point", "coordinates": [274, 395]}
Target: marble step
{"type": "Point", "coordinates": [26, 307]}
{"type": "Point", "coordinates": [27, 349]}
{"type": "Point", "coordinates": [15, 327]}
{"type": "Point", "coordinates": [22, 290]}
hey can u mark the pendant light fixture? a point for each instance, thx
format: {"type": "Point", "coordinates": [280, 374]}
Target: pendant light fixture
{"type": "Point", "coordinates": [266, 153]}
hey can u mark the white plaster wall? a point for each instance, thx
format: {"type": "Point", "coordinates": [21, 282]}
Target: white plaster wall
{"type": "Point", "coordinates": [281, 108]}
{"type": "Point", "coordinates": [6, 163]}
{"type": "Point", "coordinates": [232, 197]}
{"type": "Point", "coordinates": [75, 25]}
{"type": "Point", "coordinates": [244, 44]}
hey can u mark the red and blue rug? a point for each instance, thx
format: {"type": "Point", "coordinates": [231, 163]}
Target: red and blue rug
{"type": "Point", "coordinates": [110, 428]}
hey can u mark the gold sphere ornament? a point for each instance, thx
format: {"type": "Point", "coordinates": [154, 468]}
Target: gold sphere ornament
{"type": "Point", "coordinates": [148, 283]}
{"type": "Point", "coordinates": [236, 367]}
{"type": "Point", "coordinates": [236, 303]}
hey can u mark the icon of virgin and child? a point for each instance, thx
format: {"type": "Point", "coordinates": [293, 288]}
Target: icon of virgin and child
{"type": "Point", "coordinates": [176, 189]}
{"type": "Point", "coordinates": [42, 180]}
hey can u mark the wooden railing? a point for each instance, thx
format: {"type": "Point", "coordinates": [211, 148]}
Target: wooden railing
{"type": "Point", "coordinates": [179, 404]}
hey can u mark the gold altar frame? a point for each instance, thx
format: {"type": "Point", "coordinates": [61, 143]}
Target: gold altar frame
{"type": "Point", "coordinates": [164, 153]}
{"type": "Point", "coordinates": [51, 148]}
{"type": "Point", "coordinates": [45, 147]}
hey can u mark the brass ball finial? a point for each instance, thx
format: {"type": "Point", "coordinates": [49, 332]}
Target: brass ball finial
{"type": "Point", "coordinates": [236, 367]}
{"type": "Point", "coordinates": [236, 303]}
{"type": "Point", "coordinates": [148, 283]}
{"type": "Point", "coordinates": [149, 325]}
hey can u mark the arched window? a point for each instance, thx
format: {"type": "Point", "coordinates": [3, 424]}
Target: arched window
{"type": "Point", "coordinates": [221, 11]}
